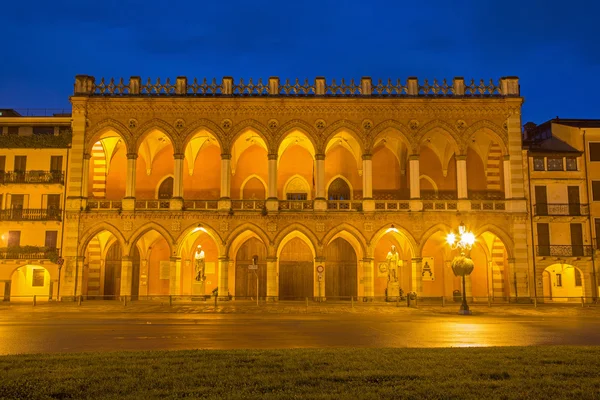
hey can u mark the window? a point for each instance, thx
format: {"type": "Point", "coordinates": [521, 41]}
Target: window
{"type": "Point", "coordinates": [56, 163]}
{"type": "Point", "coordinates": [2, 163]}
{"type": "Point", "coordinates": [14, 238]}
{"type": "Point", "coordinates": [596, 190]}
{"type": "Point", "coordinates": [538, 164]}
{"type": "Point", "coordinates": [543, 232]}
{"type": "Point", "coordinates": [297, 196]}
{"type": "Point", "coordinates": [571, 164]}
{"type": "Point", "coordinates": [595, 151]}
{"type": "Point", "coordinates": [555, 164]}
{"type": "Point", "coordinates": [577, 277]}
{"type": "Point", "coordinates": [559, 280]}
{"type": "Point", "coordinates": [20, 164]}
{"type": "Point", "coordinates": [43, 130]}
{"type": "Point", "coordinates": [51, 239]}
{"type": "Point", "coordinates": [597, 226]}
{"type": "Point", "coordinates": [37, 277]}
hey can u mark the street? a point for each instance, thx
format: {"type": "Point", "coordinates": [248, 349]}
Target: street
{"type": "Point", "coordinates": [22, 331]}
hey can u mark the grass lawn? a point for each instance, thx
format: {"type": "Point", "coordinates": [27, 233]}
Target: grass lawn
{"type": "Point", "coordinates": [456, 373]}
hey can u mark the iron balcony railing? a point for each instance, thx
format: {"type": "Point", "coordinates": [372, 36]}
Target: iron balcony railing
{"type": "Point", "coordinates": [572, 209]}
{"type": "Point", "coordinates": [28, 253]}
{"type": "Point", "coordinates": [45, 177]}
{"type": "Point", "coordinates": [31, 214]}
{"type": "Point", "coordinates": [565, 250]}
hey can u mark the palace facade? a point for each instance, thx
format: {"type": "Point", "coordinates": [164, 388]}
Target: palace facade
{"type": "Point", "coordinates": [177, 188]}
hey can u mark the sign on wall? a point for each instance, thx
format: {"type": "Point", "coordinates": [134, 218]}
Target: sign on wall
{"type": "Point", "coordinates": [427, 269]}
{"type": "Point", "coordinates": [382, 269]}
{"type": "Point", "coordinates": [165, 270]}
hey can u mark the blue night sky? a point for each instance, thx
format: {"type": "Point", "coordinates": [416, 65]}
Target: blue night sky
{"type": "Point", "coordinates": [552, 47]}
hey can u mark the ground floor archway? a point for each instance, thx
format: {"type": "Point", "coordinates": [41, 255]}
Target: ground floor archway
{"type": "Point", "coordinates": [251, 252]}
{"type": "Point", "coordinates": [296, 271]}
{"type": "Point", "coordinates": [28, 281]}
{"type": "Point", "coordinates": [340, 270]}
{"type": "Point", "coordinates": [562, 283]}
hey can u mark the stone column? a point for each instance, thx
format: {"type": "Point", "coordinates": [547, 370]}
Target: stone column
{"type": "Point", "coordinates": [414, 180]}
{"type": "Point", "coordinates": [367, 176]}
{"type": "Point", "coordinates": [368, 278]}
{"type": "Point", "coordinates": [129, 200]}
{"type": "Point", "coordinates": [126, 275]}
{"type": "Point", "coordinates": [272, 279]}
{"type": "Point", "coordinates": [507, 178]}
{"type": "Point", "coordinates": [320, 203]}
{"type": "Point", "coordinates": [272, 203]}
{"type": "Point", "coordinates": [417, 282]}
{"type": "Point", "coordinates": [175, 276]}
{"type": "Point", "coordinates": [461, 176]}
{"type": "Point", "coordinates": [85, 175]}
{"type": "Point", "coordinates": [178, 179]}
{"type": "Point", "coordinates": [223, 278]}
{"type": "Point", "coordinates": [225, 200]}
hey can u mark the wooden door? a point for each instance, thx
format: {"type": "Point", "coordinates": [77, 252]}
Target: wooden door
{"type": "Point", "coordinates": [338, 190]}
{"type": "Point", "coordinates": [165, 191]}
{"type": "Point", "coordinates": [245, 278]}
{"type": "Point", "coordinates": [543, 233]}
{"type": "Point", "coordinates": [574, 202]}
{"type": "Point", "coordinates": [541, 200]}
{"type": "Point", "coordinates": [112, 271]}
{"type": "Point", "coordinates": [340, 270]}
{"type": "Point", "coordinates": [296, 271]}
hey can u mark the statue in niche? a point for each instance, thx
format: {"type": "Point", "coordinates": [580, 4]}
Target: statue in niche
{"type": "Point", "coordinates": [394, 262]}
{"type": "Point", "coordinates": [199, 266]}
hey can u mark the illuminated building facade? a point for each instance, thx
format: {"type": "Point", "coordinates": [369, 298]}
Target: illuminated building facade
{"type": "Point", "coordinates": [330, 189]}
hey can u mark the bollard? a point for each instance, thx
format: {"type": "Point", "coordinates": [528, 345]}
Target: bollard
{"type": "Point", "coordinates": [535, 302]}
{"type": "Point", "coordinates": [124, 301]}
{"type": "Point", "coordinates": [398, 301]}
{"type": "Point", "coordinates": [215, 301]}
{"type": "Point", "coordinates": [443, 301]}
{"type": "Point", "coordinates": [489, 302]}
{"type": "Point", "coordinates": [582, 300]}
{"type": "Point", "coordinates": [352, 301]}
{"type": "Point", "coordinates": [170, 301]}
{"type": "Point", "coordinates": [307, 305]}
{"type": "Point", "coordinates": [79, 300]}
{"type": "Point", "coordinates": [34, 300]}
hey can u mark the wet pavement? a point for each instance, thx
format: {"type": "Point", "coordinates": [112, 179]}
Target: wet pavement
{"type": "Point", "coordinates": [111, 327]}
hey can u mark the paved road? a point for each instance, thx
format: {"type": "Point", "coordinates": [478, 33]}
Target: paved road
{"type": "Point", "coordinates": [74, 332]}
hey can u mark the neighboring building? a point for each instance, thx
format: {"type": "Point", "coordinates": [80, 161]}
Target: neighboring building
{"type": "Point", "coordinates": [33, 160]}
{"type": "Point", "coordinates": [563, 167]}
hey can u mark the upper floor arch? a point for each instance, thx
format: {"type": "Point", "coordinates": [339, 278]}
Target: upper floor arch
{"type": "Point", "coordinates": [108, 128]}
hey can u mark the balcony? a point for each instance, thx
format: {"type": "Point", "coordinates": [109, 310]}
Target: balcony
{"type": "Point", "coordinates": [33, 177]}
{"type": "Point", "coordinates": [564, 250]}
{"type": "Point", "coordinates": [571, 209]}
{"type": "Point", "coordinates": [28, 253]}
{"type": "Point", "coordinates": [31, 214]}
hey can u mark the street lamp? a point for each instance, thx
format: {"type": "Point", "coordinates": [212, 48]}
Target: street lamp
{"type": "Point", "coordinates": [462, 265]}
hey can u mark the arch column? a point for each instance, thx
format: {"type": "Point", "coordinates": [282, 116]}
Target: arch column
{"type": "Point", "coordinates": [416, 281]}
{"type": "Point", "coordinates": [461, 176]}
{"type": "Point", "coordinates": [320, 202]}
{"type": "Point", "coordinates": [129, 200]}
{"type": "Point", "coordinates": [126, 275]}
{"type": "Point", "coordinates": [272, 203]}
{"type": "Point", "coordinates": [225, 200]}
{"type": "Point", "coordinates": [174, 276]}
{"type": "Point", "coordinates": [414, 181]}
{"type": "Point", "coordinates": [368, 278]}
{"type": "Point", "coordinates": [507, 180]}
{"type": "Point", "coordinates": [367, 181]}
{"type": "Point", "coordinates": [86, 175]}
{"type": "Point", "coordinates": [272, 279]}
{"type": "Point", "coordinates": [223, 278]}
{"type": "Point", "coordinates": [176, 203]}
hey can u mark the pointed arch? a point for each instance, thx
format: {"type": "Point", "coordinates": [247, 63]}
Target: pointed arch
{"type": "Point", "coordinates": [135, 236]}
{"type": "Point", "coordinates": [248, 178]}
{"type": "Point", "coordinates": [239, 240]}
{"type": "Point", "coordinates": [255, 229]}
{"type": "Point", "coordinates": [288, 128]}
{"type": "Point", "coordinates": [497, 133]}
{"type": "Point", "coordinates": [193, 228]}
{"type": "Point", "coordinates": [445, 129]}
{"type": "Point", "coordinates": [503, 236]}
{"type": "Point", "coordinates": [310, 236]}
{"type": "Point", "coordinates": [89, 234]}
{"type": "Point", "coordinates": [398, 230]}
{"type": "Point", "coordinates": [441, 227]}
{"type": "Point", "coordinates": [345, 180]}
{"type": "Point", "coordinates": [382, 128]}
{"type": "Point", "coordinates": [299, 178]}
{"type": "Point", "coordinates": [238, 129]}
{"type": "Point", "coordinates": [292, 235]}
{"type": "Point", "coordinates": [202, 124]}
{"type": "Point", "coordinates": [160, 183]}
{"type": "Point", "coordinates": [164, 127]}
{"type": "Point", "coordinates": [431, 181]}
{"type": "Point", "coordinates": [342, 125]}
{"type": "Point", "coordinates": [349, 233]}
{"type": "Point", "coordinates": [93, 134]}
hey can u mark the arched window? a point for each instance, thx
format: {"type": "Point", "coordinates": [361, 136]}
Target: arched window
{"type": "Point", "coordinates": [339, 190]}
{"type": "Point", "coordinates": [165, 191]}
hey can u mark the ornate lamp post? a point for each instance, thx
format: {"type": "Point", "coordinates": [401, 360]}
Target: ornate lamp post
{"type": "Point", "coordinates": [462, 265]}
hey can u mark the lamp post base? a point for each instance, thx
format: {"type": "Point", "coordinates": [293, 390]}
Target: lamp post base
{"type": "Point", "coordinates": [464, 312]}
